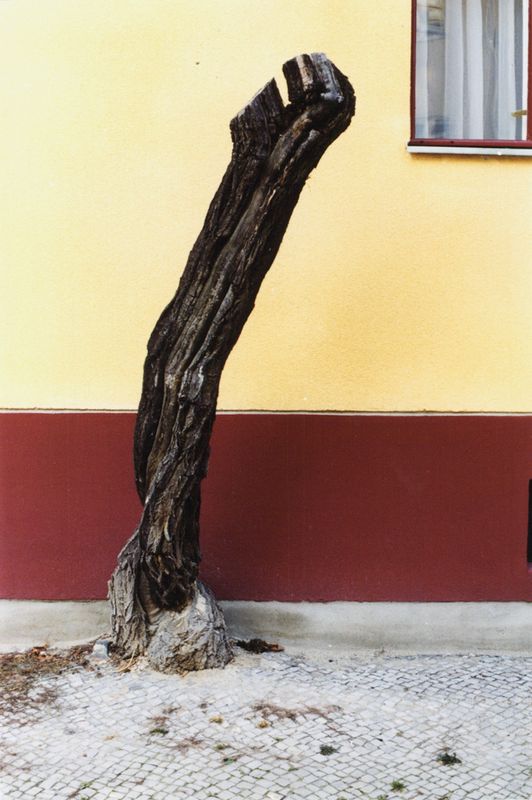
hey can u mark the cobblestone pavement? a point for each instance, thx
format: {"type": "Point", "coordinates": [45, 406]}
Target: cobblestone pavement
{"type": "Point", "coordinates": [277, 726]}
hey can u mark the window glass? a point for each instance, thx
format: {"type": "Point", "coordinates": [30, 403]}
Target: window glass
{"type": "Point", "coordinates": [471, 69]}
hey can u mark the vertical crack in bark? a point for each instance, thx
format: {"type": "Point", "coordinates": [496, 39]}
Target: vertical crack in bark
{"type": "Point", "coordinates": [274, 150]}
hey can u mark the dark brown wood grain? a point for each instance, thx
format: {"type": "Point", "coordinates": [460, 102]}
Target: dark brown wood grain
{"type": "Point", "coordinates": [275, 147]}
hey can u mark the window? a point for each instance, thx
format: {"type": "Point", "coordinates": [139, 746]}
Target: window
{"type": "Point", "coordinates": [470, 75]}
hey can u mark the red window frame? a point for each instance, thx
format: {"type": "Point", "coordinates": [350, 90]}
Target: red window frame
{"type": "Point", "coordinates": [496, 143]}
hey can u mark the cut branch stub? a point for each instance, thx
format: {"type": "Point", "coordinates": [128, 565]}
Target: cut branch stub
{"type": "Point", "coordinates": [275, 147]}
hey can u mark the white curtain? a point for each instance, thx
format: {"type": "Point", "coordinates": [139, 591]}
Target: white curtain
{"type": "Point", "coordinates": [471, 69]}
{"type": "Point", "coordinates": [422, 82]}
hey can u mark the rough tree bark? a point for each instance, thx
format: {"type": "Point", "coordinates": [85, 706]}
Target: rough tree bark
{"type": "Point", "coordinates": [159, 608]}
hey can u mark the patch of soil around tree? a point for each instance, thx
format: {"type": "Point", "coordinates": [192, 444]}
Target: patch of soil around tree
{"type": "Point", "coordinates": [22, 674]}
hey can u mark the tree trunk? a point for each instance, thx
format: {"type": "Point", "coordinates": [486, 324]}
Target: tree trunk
{"type": "Point", "coordinates": [159, 607]}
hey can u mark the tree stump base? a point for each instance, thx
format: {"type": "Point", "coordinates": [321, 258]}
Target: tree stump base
{"type": "Point", "coordinates": [192, 639]}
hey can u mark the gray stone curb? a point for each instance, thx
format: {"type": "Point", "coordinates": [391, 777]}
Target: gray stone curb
{"type": "Point", "coordinates": [394, 627]}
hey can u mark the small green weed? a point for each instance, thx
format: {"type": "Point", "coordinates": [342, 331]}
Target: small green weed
{"type": "Point", "coordinates": [397, 786]}
{"type": "Point", "coordinates": [447, 758]}
{"type": "Point", "coordinates": [327, 750]}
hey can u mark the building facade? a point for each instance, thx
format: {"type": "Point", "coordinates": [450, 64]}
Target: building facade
{"type": "Point", "coordinates": [374, 440]}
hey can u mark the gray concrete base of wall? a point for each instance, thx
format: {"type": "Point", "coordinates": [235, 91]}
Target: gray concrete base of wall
{"type": "Point", "coordinates": [393, 627]}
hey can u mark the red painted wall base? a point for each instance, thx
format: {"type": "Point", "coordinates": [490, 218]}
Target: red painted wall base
{"type": "Point", "coordinates": [296, 506]}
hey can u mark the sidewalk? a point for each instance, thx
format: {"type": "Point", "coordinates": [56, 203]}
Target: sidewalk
{"type": "Point", "coordinates": [317, 726]}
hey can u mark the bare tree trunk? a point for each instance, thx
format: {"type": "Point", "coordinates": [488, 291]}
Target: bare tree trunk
{"type": "Point", "coordinates": [158, 605]}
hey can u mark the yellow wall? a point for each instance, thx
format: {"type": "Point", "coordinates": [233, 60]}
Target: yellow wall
{"type": "Point", "coordinates": [404, 282]}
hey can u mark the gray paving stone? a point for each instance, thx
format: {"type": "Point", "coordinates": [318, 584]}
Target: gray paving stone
{"type": "Point", "coordinates": [385, 718]}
